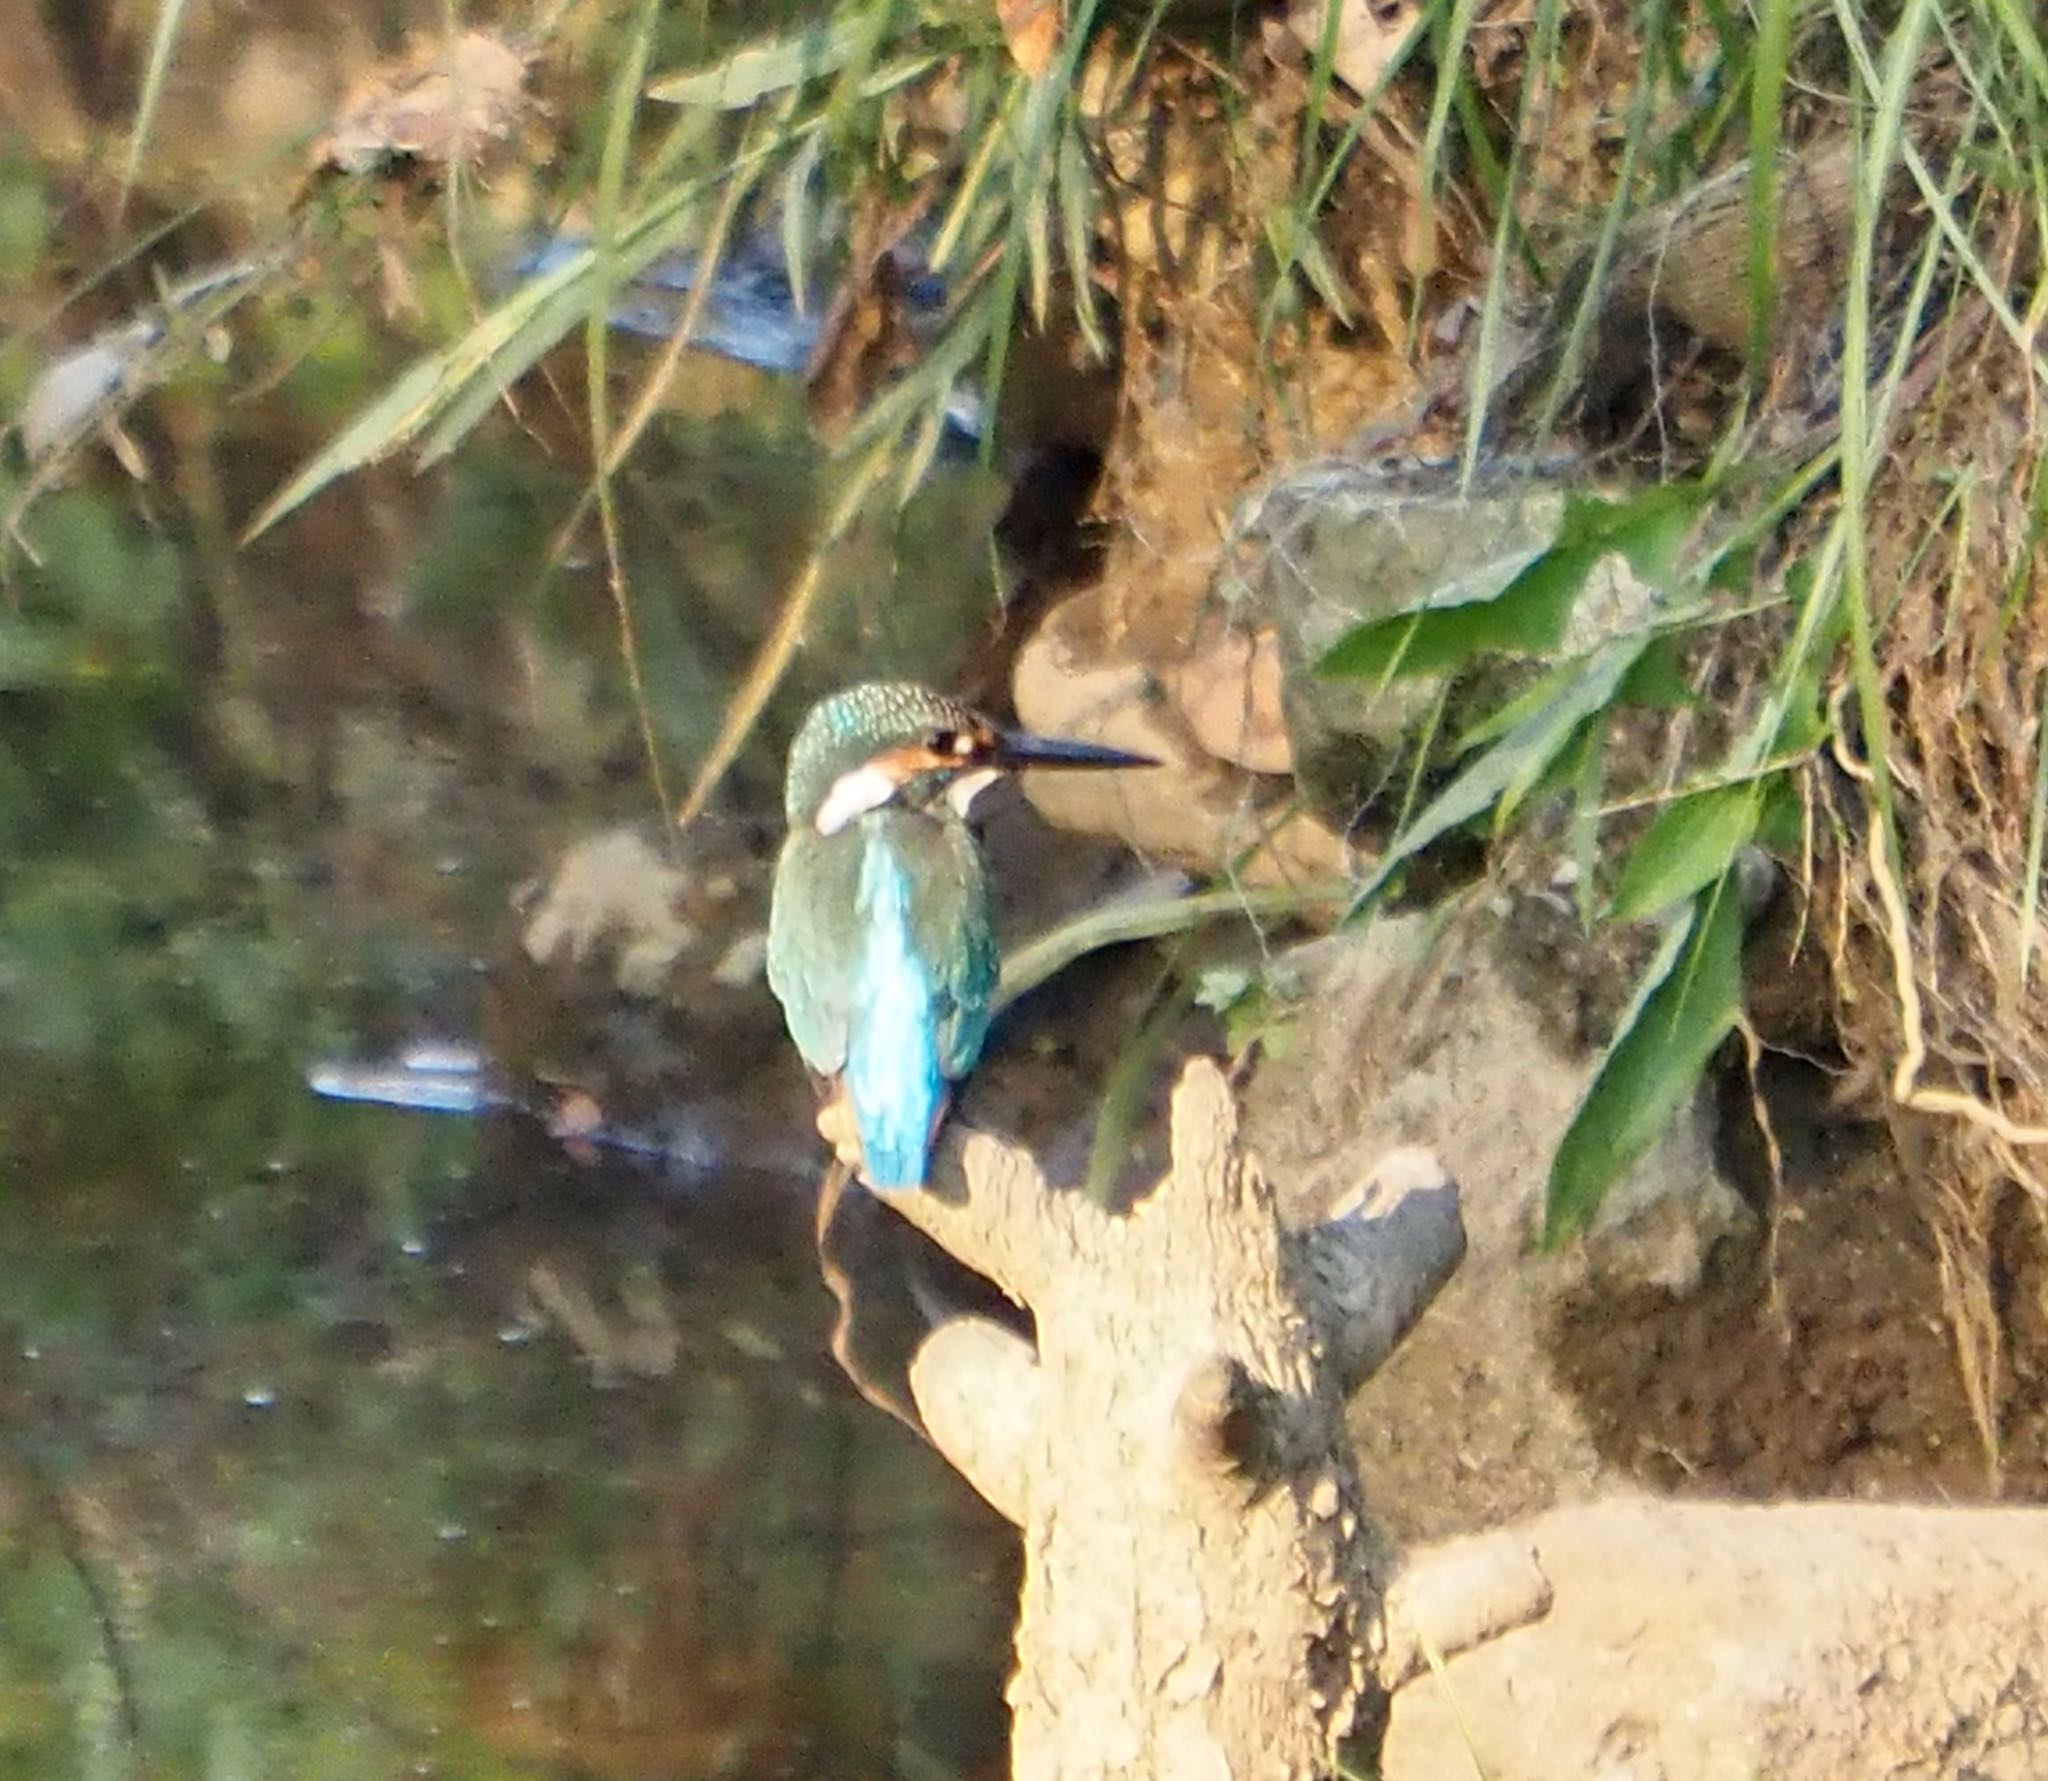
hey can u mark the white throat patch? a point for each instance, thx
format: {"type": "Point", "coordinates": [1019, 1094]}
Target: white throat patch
{"type": "Point", "coordinates": [853, 795]}
{"type": "Point", "coordinates": [969, 786]}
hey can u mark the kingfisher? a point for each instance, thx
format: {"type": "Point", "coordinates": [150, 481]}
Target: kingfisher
{"type": "Point", "coordinates": [881, 933]}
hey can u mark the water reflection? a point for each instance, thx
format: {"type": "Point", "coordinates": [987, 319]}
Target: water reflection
{"type": "Point", "coordinates": [337, 1441]}
{"type": "Point", "coordinates": [429, 1451]}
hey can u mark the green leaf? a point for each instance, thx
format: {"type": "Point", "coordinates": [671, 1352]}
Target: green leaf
{"type": "Point", "coordinates": [1522, 605]}
{"type": "Point", "coordinates": [1803, 726]}
{"type": "Point", "coordinates": [1531, 699]}
{"type": "Point", "coordinates": [1647, 528]}
{"type": "Point", "coordinates": [1583, 831]}
{"type": "Point", "coordinates": [451, 390]}
{"type": "Point", "coordinates": [1658, 681]}
{"type": "Point", "coordinates": [24, 229]}
{"type": "Point", "coordinates": [1220, 987]}
{"type": "Point", "coordinates": [1793, 718]}
{"type": "Point", "coordinates": [800, 219]}
{"type": "Point", "coordinates": [1322, 274]}
{"type": "Point", "coordinates": [1781, 823]}
{"type": "Point", "coordinates": [35, 655]}
{"type": "Point", "coordinates": [1514, 763]}
{"type": "Point", "coordinates": [1077, 222]}
{"type": "Point", "coordinates": [768, 65]}
{"type": "Point", "coordinates": [1460, 618]}
{"type": "Point", "coordinates": [1692, 842]}
{"type": "Point", "coordinates": [871, 22]}
{"type": "Point", "coordinates": [1683, 1008]}
{"type": "Point", "coordinates": [1036, 212]}
{"type": "Point", "coordinates": [1565, 772]}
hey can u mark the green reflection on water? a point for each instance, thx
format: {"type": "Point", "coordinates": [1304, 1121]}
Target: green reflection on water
{"type": "Point", "coordinates": [296, 1478]}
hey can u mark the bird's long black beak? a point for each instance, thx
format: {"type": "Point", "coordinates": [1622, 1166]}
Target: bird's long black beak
{"type": "Point", "coordinates": [1019, 748]}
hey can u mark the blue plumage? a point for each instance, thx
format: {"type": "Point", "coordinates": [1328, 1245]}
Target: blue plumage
{"type": "Point", "coordinates": [881, 948]}
{"type": "Point", "coordinates": [893, 1071]}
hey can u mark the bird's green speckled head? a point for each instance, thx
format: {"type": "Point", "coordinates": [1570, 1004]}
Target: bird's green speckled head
{"type": "Point", "coordinates": [885, 739]}
{"type": "Point", "coordinates": [895, 742]}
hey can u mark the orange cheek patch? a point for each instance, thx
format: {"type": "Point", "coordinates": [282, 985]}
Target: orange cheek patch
{"type": "Point", "coordinates": [906, 761]}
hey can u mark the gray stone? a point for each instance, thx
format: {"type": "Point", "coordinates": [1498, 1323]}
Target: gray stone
{"type": "Point", "coordinates": [1339, 543]}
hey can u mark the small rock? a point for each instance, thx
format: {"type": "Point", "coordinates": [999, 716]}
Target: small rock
{"type": "Point", "coordinates": [1191, 809]}
{"type": "Point", "coordinates": [1337, 546]}
{"type": "Point", "coordinates": [1229, 692]}
{"type": "Point", "coordinates": [614, 890]}
{"type": "Point", "coordinates": [74, 393]}
{"type": "Point", "coordinates": [1366, 38]}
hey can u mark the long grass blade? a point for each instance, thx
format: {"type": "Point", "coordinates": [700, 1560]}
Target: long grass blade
{"type": "Point", "coordinates": [1455, 34]}
{"type": "Point", "coordinates": [1515, 762]}
{"type": "Point", "coordinates": [772, 660]}
{"type": "Point", "coordinates": [1878, 148]}
{"type": "Point", "coordinates": [1493, 317]}
{"type": "Point", "coordinates": [1578, 334]}
{"type": "Point", "coordinates": [1767, 68]}
{"type": "Point", "coordinates": [449, 390]}
{"type": "Point", "coordinates": [800, 219]}
{"type": "Point", "coordinates": [1940, 202]}
{"type": "Point", "coordinates": [953, 231]}
{"type": "Point", "coordinates": [737, 188]}
{"type": "Point", "coordinates": [170, 19]}
{"type": "Point", "coordinates": [1153, 918]}
{"type": "Point", "coordinates": [2021, 31]}
{"type": "Point", "coordinates": [1077, 217]}
{"type": "Point", "coordinates": [1312, 193]}
{"type": "Point", "coordinates": [611, 186]}
{"type": "Point", "coordinates": [758, 70]}
{"type": "Point", "coordinates": [2037, 830]}
{"type": "Point", "coordinates": [1122, 1100]}
{"type": "Point", "coordinates": [872, 25]}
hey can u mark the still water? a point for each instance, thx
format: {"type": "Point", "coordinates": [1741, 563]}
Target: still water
{"type": "Point", "coordinates": [340, 1441]}
{"type": "Point", "coordinates": [344, 1441]}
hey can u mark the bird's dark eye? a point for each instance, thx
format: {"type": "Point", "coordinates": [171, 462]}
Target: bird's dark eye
{"type": "Point", "coordinates": [957, 743]}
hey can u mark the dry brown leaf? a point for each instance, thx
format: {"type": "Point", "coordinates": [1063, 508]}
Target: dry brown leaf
{"type": "Point", "coordinates": [1032, 30]}
{"type": "Point", "coordinates": [441, 104]}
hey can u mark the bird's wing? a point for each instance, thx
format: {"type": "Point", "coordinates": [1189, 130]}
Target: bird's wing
{"type": "Point", "coordinates": [817, 938]}
{"type": "Point", "coordinates": [814, 942]}
{"type": "Point", "coordinates": [966, 984]}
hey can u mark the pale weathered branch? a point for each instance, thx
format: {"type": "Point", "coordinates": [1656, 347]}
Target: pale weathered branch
{"type": "Point", "coordinates": [1380, 1262]}
{"type": "Point", "coordinates": [1202, 1588]}
{"type": "Point", "coordinates": [1452, 1597]}
{"type": "Point", "coordinates": [978, 1389]}
{"type": "Point", "coordinates": [992, 1211]}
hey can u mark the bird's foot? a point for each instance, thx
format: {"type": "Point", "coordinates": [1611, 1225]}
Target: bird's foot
{"type": "Point", "coordinates": [838, 1127]}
